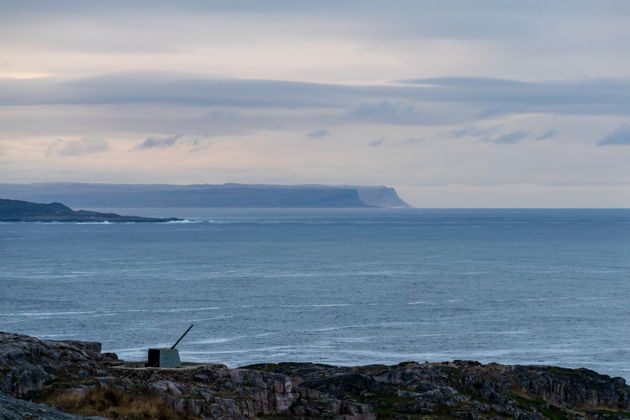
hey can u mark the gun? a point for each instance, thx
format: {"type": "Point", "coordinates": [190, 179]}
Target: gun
{"type": "Point", "coordinates": [180, 338]}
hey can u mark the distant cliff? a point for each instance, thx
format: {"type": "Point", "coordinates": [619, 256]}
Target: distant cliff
{"type": "Point", "coordinates": [205, 195]}
{"type": "Point", "coordinates": [24, 211]}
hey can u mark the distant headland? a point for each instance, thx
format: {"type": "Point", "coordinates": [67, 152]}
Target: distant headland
{"type": "Point", "coordinates": [205, 195]}
{"type": "Point", "coordinates": [25, 211]}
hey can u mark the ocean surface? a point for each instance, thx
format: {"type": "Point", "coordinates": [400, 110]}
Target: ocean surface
{"type": "Point", "coordinates": [333, 286]}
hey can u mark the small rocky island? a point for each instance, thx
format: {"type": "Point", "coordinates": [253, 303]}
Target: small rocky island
{"type": "Point", "coordinates": [76, 377]}
{"type": "Point", "coordinates": [25, 211]}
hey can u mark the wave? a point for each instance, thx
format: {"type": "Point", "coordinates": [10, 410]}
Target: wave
{"type": "Point", "coordinates": [204, 308]}
{"type": "Point", "coordinates": [207, 308]}
{"type": "Point", "coordinates": [319, 305]}
{"type": "Point", "coordinates": [37, 314]}
{"type": "Point", "coordinates": [218, 340]}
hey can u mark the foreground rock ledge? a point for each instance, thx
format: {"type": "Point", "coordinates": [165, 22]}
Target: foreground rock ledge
{"type": "Point", "coordinates": [74, 372]}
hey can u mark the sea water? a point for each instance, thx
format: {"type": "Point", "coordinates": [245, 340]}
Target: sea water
{"type": "Point", "coordinates": [341, 287]}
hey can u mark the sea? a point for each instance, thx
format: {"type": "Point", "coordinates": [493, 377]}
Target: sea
{"type": "Point", "coordinates": [341, 287]}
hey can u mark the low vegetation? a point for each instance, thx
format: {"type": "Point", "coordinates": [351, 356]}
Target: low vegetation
{"type": "Point", "coordinates": [115, 404]}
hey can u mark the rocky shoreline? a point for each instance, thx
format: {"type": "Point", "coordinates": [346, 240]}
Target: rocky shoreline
{"type": "Point", "coordinates": [78, 378]}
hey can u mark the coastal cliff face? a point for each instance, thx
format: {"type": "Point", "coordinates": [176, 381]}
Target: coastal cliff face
{"type": "Point", "coordinates": [77, 377]}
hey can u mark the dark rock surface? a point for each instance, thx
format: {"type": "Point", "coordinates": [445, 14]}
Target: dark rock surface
{"type": "Point", "coordinates": [27, 364]}
{"type": "Point", "coordinates": [25, 211]}
{"type": "Point", "coordinates": [44, 370]}
{"type": "Point", "coordinates": [15, 409]}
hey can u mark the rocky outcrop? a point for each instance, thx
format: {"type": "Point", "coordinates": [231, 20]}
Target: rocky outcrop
{"type": "Point", "coordinates": [55, 371]}
{"type": "Point", "coordinates": [25, 211]}
{"type": "Point", "coordinates": [27, 364]}
{"type": "Point", "coordinates": [573, 387]}
{"type": "Point", "coordinates": [214, 391]}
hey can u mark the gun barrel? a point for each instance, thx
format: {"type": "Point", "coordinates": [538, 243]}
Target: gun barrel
{"type": "Point", "coordinates": [180, 338]}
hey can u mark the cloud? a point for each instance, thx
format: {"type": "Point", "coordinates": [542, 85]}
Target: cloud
{"type": "Point", "coordinates": [413, 140]}
{"type": "Point", "coordinates": [165, 103]}
{"type": "Point", "coordinates": [83, 146]}
{"type": "Point", "coordinates": [159, 142]}
{"type": "Point", "coordinates": [377, 142]}
{"type": "Point", "coordinates": [549, 134]}
{"type": "Point", "coordinates": [446, 100]}
{"type": "Point", "coordinates": [503, 96]}
{"type": "Point", "coordinates": [466, 82]}
{"type": "Point", "coordinates": [176, 89]}
{"type": "Point", "coordinates": [318, 133]}
{"type": "Point", "coordinates": [509, 138]}
{"type": "Point", "coordinates": [387, 112]}
{"type": "Point", "coordinates": [505, 21]}
{"type": "Point", "coordinates": [621, 136]}
{"type": "Point", "coordinates": [483, 134]}
{"type": "Point", "coordinates": [473, 131]}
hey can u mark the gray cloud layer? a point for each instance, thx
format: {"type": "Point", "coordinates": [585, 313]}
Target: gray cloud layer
{"type": "Point", "coordinates": [389, 104]}
{"type": "Point", "coordinates": [238, 104]}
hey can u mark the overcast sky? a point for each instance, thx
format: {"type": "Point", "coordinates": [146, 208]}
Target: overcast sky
{"type": "Point", "coordinates": [454, 103]}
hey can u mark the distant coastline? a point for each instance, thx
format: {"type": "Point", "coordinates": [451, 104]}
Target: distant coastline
{"type": "Point", "coordinates": [86, 195]}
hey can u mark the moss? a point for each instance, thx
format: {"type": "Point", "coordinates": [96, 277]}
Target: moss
{"type": "Point", "coordinates": [442, 413]}
{"type": "Point", "coordinates": [374, 368]}
{"type": "Point", "coordinates": [4, 370]}
{"type": "Point", "coordinates": [383, 405]}
{"type": "Point", "coordinates": [191, 396]}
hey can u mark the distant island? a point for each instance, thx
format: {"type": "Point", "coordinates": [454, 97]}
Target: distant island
{"type": "Point", "coordinates": [205, 195]}
{"type": "Point", "coordinates": [25, 211]}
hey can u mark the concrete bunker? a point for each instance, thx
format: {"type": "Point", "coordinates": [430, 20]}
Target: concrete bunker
{"type": "Point", "coordinates": [166, 357]}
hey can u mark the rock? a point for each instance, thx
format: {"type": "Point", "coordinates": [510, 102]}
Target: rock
{"type": "Point", "coordinates": [27, 364]}
{"type": "Point", "coordinates": [458, 389]}
{"type": "Point", "coordinates": [15, 409]}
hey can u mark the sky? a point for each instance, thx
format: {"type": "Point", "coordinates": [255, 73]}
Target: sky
{"type": "Point", "coordinates": [453, 103]}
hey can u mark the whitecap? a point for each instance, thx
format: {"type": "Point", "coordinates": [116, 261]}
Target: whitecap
{"type": "Point", "coordinates": [218, 340]}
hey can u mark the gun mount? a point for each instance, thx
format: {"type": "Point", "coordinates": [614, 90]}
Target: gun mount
{"type": "Point", "coordinates": [166, 357]}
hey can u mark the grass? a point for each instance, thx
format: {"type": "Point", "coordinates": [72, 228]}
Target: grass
{"type": "Point", "coordinates": [116, 404]}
